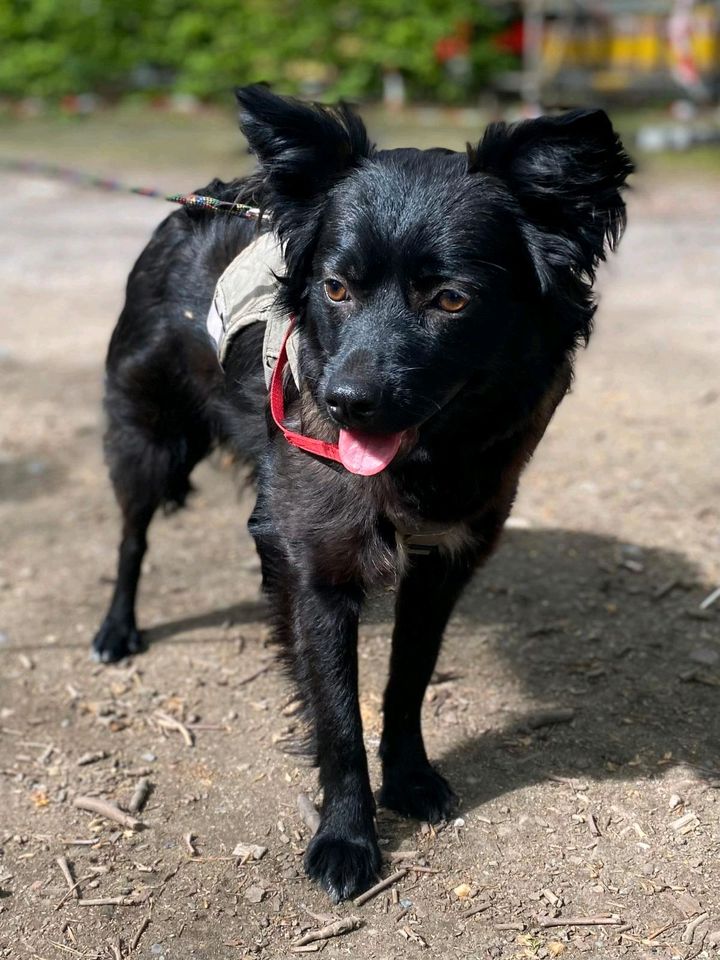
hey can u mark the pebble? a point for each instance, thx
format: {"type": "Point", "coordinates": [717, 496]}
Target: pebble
{"type": "Point", "coordinates": [254, 894]}
{"type": "Point", "coordinates": [148, 757]}
{"type": "Point", "coordinates": [705, 655]}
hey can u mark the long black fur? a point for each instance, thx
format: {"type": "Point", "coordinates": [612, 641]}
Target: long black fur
{"type": "Point", "coordinates": [516, 226]}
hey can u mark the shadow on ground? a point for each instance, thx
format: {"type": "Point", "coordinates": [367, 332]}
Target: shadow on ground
{"type": "Point", "coordinates": [606, 630]}
{"type": "Point", "coordinates": [609, 631]}
{"type": "Point", "coordinates": [560, 618]}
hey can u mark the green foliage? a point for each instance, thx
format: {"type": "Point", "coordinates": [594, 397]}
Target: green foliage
{"type": "Point", "coordinates": [205, 47]}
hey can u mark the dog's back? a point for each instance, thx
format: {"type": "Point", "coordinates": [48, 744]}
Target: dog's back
{"type": "Point", "coordinates": [164, 393]}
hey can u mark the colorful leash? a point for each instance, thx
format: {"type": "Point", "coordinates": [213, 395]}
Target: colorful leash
{"type": "Point", "coordinates": [79, 178]}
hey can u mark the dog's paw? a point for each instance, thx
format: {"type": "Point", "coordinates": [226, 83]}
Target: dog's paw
{"type": "Point", "coordinates": [418, 792]}
{"type": "Point", "coordinates": [114, 640]}
{"type": "Point", "coordinates": [343, 867]}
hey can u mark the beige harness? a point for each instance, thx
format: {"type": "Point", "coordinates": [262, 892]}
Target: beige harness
{"type": "Point", "coordinates": [246, 293]}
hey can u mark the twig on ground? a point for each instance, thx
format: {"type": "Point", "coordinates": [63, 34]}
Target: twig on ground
{"type": "Point", "coordinates": [689, 932]}
{"type": "Point", "coordinates": [108, 810]}
{"type": "Point", "coordinates": [407, 933]}
{"type": "Point", "coordinates": [480, 908]}
{"type": "Point", "coordinates": [65, 948]}
{"type": "Point", "coordinates": [253, 676]}
{"type": "Point", "coordinates": [710, 599]}
{"type": "Point", "coordinates": [141, 930]}
{"type": "Point", "coordinates": [546, 718]}
{"type": "Point", "coordinates": [67, 874]}
{"type": "Point", "coordinates": [579, 921]}
{"type": "Point", "coordinates": [308, 813]}
{"type": "Point", "coordinates": [379, 887]}
{"type": "Point", "coordinates": [335, 929]}
{"type": "Point", "coordinates": [88, 758]}
{"type": "Point", "coordinates": [73, 891]}
{"type": "Point", "coordinates": [172, 723]}
{"type": "Point", "coordinates": [209, 726]}
{"type": "Point", "coordinates": [665, 588]}
{"type": "Point", "coordinates": [110, 902]}
{"type": "Point", "coordinates": [662, 929]}
{"type": "Point", "coordinates": [140, 795]}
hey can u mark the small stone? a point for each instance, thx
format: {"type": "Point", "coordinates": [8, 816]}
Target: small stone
{"type": "Point", "coordinates": [148, 757]}
{"type": "Point", "coordinates": [674, 801]}
{"type": "Point", "coordinates": [254, 894]}
{"type": "Point", "coordinates": [250, 851]}
{"type": "Point", "coordinates": [705, 655]}
{"type": "Point", "coordinates": [462, 891]}
{"type": "Point", "coordinates": [156, 949]}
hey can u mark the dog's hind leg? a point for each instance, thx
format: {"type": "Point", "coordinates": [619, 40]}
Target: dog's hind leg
{"type": "Point", "coordinates": [426, 597]}
{"type": "Point", "coordinates": [147, 472]}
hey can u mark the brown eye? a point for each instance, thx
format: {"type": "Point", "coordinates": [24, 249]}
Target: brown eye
{"type": "Point", "coordinates": [335, 291]}
{"type": "Point", "coordinates": [452, 301]}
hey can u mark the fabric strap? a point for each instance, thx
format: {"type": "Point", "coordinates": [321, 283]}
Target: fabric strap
{"type": "Point", "coordinates": [320, 448]}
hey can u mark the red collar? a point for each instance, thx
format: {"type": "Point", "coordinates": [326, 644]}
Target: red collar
{"type": "Point", "coordinates": [277, 408]}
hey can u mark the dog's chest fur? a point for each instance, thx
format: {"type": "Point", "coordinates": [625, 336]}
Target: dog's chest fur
{"type": "Point", "coordinates": [369, 529]}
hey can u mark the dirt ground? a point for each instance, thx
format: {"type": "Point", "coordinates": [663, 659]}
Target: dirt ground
{"type": "Point", "coordinates": [607, 809]}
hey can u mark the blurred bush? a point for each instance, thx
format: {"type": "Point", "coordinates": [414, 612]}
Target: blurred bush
{"type": "Point", "coordinates": [441, 50]}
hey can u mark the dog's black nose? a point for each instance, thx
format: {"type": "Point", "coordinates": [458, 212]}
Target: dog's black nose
{"type": "Point", "coordinates": [353, 403]}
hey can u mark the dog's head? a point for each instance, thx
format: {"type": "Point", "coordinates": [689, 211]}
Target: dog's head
{"type": "Point", "coordinates": [415, 272]}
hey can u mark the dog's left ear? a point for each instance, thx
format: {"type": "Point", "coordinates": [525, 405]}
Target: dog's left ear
{"type": "Point", "coordinates": [303, 148]}
{"type": "Point", "coordinates": [567, 173]}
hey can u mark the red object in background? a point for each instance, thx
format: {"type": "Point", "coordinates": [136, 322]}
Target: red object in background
{"type": "Point", "coordinates": [456, 45]}
{"type": "Point", "coordinates": [511, 39]}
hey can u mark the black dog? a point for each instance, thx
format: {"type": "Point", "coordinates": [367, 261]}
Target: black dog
{"type": "Point", "coordinates": [439, 298]}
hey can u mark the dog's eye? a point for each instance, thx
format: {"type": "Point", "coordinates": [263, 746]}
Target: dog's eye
{"type": "Point", "coordinates": [451, 301]}
{"type": "Point", "coordinates": [335, 291]}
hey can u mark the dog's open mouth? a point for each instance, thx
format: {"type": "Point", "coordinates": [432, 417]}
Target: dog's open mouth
{"type": "Point", "coordinates": [367, 453]}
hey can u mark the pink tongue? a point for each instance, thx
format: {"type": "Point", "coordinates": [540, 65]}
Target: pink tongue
{"type": "Point", "coordinates": [366, 453]}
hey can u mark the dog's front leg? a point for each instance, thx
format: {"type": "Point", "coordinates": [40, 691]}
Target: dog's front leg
{"type": "Point", "coordinates": [425, 599]}
{"type": "Point", "coordinates": [343, 855]}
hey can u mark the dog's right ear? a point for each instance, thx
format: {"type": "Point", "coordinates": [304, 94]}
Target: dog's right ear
{"type": "Point", "coordinates": [303, 148]}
